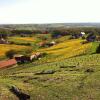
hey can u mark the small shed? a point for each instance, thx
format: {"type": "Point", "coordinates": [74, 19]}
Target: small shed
{"type": "Point", "coordinates": [42, 44]}
{"type": "Point", "coordinates": [53, 43]}
{"type": "Point", "coordinates": [82, 33]}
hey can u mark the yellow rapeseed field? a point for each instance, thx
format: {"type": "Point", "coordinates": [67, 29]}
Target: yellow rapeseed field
{"type": "Point", "coordinates": [67, 49]}
{"type": "Point", "coordinates": [6, 47]}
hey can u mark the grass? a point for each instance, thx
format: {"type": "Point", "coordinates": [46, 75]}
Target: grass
{"type": "Point", "coordinates": [74, 83]}
{"type": "Point", "coordinates": [94, 47]}
{"type": "Point", "coordinates": [81, 82]}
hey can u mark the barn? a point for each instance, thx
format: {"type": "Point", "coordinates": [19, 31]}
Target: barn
{"type": "Point", "coordinates": [22, 58]}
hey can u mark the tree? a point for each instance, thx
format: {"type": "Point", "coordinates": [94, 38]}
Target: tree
{"type": "Point", "coordinates": [91, 37]}
{"type": "Point", "coordinates": [56, 34]}
{"type": "Point", "coordinates": [98, 49]}
{"type": "Point", "coordinates": [4, 33]}
{"type": "Point", "coordinates": [10, 53]}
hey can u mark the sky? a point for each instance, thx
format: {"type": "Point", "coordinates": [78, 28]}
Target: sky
{"type": "Point", "coordinates": [49, 11]}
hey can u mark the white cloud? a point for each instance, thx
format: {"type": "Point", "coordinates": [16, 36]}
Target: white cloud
{"type": "Point", "coordinates": [50, 11]}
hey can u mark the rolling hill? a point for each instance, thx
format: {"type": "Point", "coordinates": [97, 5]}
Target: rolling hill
{"type": "Point", "coordinates": [69, 71]}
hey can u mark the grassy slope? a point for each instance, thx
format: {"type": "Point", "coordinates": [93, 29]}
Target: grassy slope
{"type": "Point", "coordinates": [94, 47]}
{"type": "Point", "coordinates": [65, 84]}
{"type": "Point", "coordinates": [74, 83]}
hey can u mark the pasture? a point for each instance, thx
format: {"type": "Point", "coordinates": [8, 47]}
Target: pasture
{"type": "Point", "coordinates": [73, 82]}
{"type": "Point", "coordinates": [70, 70]}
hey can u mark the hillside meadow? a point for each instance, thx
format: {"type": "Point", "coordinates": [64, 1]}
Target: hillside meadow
{"type": "Point", "coordinates": [76, 78]}
{"type": "Point", "coordinates": [70, 70]}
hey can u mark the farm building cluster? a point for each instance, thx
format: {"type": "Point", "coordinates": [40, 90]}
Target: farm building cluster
{"type": "Point", "coordinates": [3, 41]}
{"type": "Point", "coordinates": [47, 44]}
{"type": "Point", "coordinates": [23, 58]}
{"type": "Point", "coordinates": [20, 59]}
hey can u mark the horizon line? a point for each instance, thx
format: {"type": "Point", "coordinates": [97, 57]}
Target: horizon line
{"type": "Point", "coordinates": [50, 23]}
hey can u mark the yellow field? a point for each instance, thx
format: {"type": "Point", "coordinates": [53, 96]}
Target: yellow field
{"type": "Point", "coordinates": [30, 39]}
{"type": "Point", "coordinates": [6, 47]}
{"type": "Point", "coordinates": [27, 38]}
{"type": "Point", "coordinates": [67, 49]}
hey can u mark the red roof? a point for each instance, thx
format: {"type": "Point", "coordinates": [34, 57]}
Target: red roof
{"type": "Point", "coordinates": [7, 63]}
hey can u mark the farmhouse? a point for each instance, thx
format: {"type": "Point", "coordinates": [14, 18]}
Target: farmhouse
{"type": "Point", "coordinates": [82, 33]}
{"type": "Point", "coordinates": [98, 38]}
{"type": "Point", "coordinates": [36, 56]}
{"type": "Point", "coordinates": [18, 58]}
{"type": "Point", "coordinates": [22, 58]}
{"type": "Point", "coordinates": [7, 63]}
{"type": "Point", "coordinates": [45, 44]}
{"type": "Point", "coordinates": [53, 43]}
{"type": "Point", "coordinates": [42, 44]}
{"type": "Point", "coordinates": [33, 57]}
{"type": "Point", "coordinates": [3, 41]}
{"type": "Point", "coordinates": [50, 44]}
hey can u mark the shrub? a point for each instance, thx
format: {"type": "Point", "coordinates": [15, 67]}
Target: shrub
{"type": "Point", "coordinates": [45, 72]}
{"type": "Point", "coordinates": [89, 70]}
{"type": "Point", "coordinates": [24, 44]}
{"type": "Point", "coordinates": [91, 37]}
{"type": "Point", "coordinates": [10, 53]}
{"type": "Point", "coordinates": [98, 49]}
{"type": "Point", "coordinates": [56, 34]}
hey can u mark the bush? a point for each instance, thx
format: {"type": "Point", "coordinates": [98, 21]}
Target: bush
{"type": "Point", "coordinates": [89, 70]}
{"type": "Point", "coordinates": [45, 72]}
{"type": "Point", "coordinates": [56, 34]}
{"type": "Point", "coordinates": [91, 37]}
{"type": "Point", "coordinates": [10, 53]}
{"type": "Point", "coordinates": [98, 49]}
{"type": "Point", "coordinates": [24, 44]}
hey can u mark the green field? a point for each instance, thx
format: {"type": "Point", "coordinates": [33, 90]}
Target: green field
{"type": "Point", "coordinates": [73, 82]}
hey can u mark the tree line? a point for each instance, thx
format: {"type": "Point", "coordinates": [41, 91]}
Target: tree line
{"type": "Point", "coordinates": [58, 31]}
